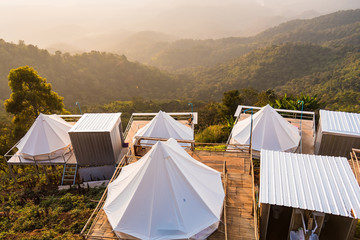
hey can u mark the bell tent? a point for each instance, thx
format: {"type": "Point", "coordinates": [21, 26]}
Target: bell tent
{"type": "Point", "coordinates": [269, 131]}
{"type": "Point", "coordinates": [164, 126]}
{"type": "Point", "coordinates": [47, 138]}
{"type": "Point", "coordinates": [165, 195]}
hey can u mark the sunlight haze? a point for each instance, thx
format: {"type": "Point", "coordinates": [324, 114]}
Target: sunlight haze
{"type": "Point", "coordinates": [85, 25]}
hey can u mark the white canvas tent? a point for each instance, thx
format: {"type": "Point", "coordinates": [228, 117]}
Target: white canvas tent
{"type": "Point", "coordinates": [165, 195]}
{"type": "Point", "coordinates": [47, 138]}
{"type": "Point", "coordinates": [164, 126]}
{"type": "Point", "coordinates": [270, 131]}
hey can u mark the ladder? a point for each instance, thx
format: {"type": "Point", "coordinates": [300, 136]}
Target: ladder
{"type": "Point", "coordinates": [69, 174]}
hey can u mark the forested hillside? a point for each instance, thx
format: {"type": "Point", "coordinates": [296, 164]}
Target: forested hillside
{"type": "Point", "coordinates": [335, 30]}
{"type": "Point", "coordinates": [293, 68]}
{"type": "Point", "coordinates": [89, 78]}
{"type": "Point", "coordinates": [316, 56]}
{"type": "Point", "coordinates": [268, 67]}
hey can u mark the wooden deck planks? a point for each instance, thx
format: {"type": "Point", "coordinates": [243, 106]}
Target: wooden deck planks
{"type": "Point", "coordinates": [240, 221]}
{"type": "Point", "coordinates": [101, 227]}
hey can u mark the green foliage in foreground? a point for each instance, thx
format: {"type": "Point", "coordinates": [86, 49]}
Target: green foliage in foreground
{"type": "Point", "coordinates": [32, 209]}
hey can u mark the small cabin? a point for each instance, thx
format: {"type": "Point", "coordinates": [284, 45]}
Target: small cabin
{"type": "Point", "coordinates": [97, 140]}
{"type": "Point", "coordinates": [307, 196]}
{"type": "Point", "coordinates": [338, 133]}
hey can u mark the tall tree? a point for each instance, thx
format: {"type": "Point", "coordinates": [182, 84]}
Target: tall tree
{"type": "Point", "coordinates": [31, 95]}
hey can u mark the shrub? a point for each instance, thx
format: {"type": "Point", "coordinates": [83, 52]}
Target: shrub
{"type": "Point", "coordinates": [214, 134]}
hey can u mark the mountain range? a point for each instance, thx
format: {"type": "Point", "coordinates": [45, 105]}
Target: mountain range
{"type": "Point", "coordinates": [316, 56]}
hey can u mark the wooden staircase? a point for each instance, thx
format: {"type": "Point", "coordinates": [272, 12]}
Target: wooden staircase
{"type": "Point", "coordinates": [69, 174]}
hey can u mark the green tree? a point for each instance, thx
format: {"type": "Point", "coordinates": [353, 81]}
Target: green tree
{"type": "Point", "coordinates": [311, 103]}
{"type": "Point", "coordinates": [230, 101]}
{"type": "Point", "coordinates": [31, 95]}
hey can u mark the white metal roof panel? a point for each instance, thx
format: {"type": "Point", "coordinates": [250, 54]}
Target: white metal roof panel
{"type": "Point", "coordinates": [341, 123]}
{"type": "Point", "coordinates": [96, 122]}
{"type": "Point", "coordinates": [312, 182]}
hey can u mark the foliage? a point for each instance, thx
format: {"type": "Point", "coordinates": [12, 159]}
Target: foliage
{"type": "Point", "coordinates": [33, 209]}
{"type": "Point", "coordinates": [213, 134]}
{"type": "Point", "coordinates": [31, 95]}
{"type": "Point", "coordinates": [269, 67]}
{"type": "Point", "coordinates": [302, 102]}
{"type": "Point", "coordinates": [90, 78]}
{"type": "Point", "coordinates": [230, 101]}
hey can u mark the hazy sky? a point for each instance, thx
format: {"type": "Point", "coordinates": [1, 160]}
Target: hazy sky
{"type": "Point", "coordinates": [47, 22]}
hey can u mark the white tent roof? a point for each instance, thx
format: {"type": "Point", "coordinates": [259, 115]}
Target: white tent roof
{"type": "Point", "coordinates": [165, 195]}
{"type": "Point", "coordinates": [164, 126]}
{"type": "Point", "coordinates": [312, 182]}
{"type": "Point", "coordinates": [270, 131]}
{"type": "Point", "coordinates": [48, 134]}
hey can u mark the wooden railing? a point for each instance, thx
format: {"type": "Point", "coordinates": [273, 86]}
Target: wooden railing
{"type": "Point", "coordinates": [355, 165]}
{"type": "Point", "coordinates": [192, 145]}
{"type": "Point", "coordinates": [224, 173]}
{"type": "Point", "coordinates": [94, 216]}
{"type": "Point", "coordinates": [255, 205]}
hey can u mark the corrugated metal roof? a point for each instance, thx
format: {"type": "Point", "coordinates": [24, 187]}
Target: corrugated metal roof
{"type": "Point", "coordinates": [312, 182]}
{"type": "Point", "coordinates": [96, 122]}
{"type": "Point", "coordinates": [341, 123]}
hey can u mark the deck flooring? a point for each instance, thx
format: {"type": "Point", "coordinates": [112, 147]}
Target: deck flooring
{"type": "Point", "coordinates": [239, 200]}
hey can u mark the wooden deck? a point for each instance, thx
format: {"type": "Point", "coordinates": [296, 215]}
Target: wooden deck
{"type": "Point", "coordinates": [239, 220]}
{"type": "Point", "coordinates": [239, 193]}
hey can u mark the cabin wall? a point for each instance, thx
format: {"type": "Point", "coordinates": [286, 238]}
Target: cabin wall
{"type": "Point", "coordinates": [116, 139]}
{"type": "Point", "coordinates": [336, 145]}
{"type": "Point", "coordinates": [318, 139]}
{"type": "Point", "coordinates": [93, 148]}
{"type": "Point", "coordinates": [96, 173]}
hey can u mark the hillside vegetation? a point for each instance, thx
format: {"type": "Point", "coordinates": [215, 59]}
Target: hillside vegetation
{"type": "Point", "coordinates": [334, 30]}
{"type": "Point", "coordinates": [331, 74]}
{"type": "Point", "coordinates": [317, 56]}
{"type": "Point", "coordinates": [89, 78]}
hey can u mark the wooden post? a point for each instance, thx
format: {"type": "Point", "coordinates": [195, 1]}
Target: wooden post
{"type": "Point", "coordinates": [353, 164]}
{"type": "Point", "coordinates": [352, 229]}
{"type": "Point", "coordinates": [264, 220]}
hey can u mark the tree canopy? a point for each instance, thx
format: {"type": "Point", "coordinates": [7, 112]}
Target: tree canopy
{"type": "Point", "coordinates": [31, 95]}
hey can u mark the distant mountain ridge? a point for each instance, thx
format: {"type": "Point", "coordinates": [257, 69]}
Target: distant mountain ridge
{"type": "Point", "coordinates": [317, 56]}
{"type": "Point", "coordinates": [339, 28]}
